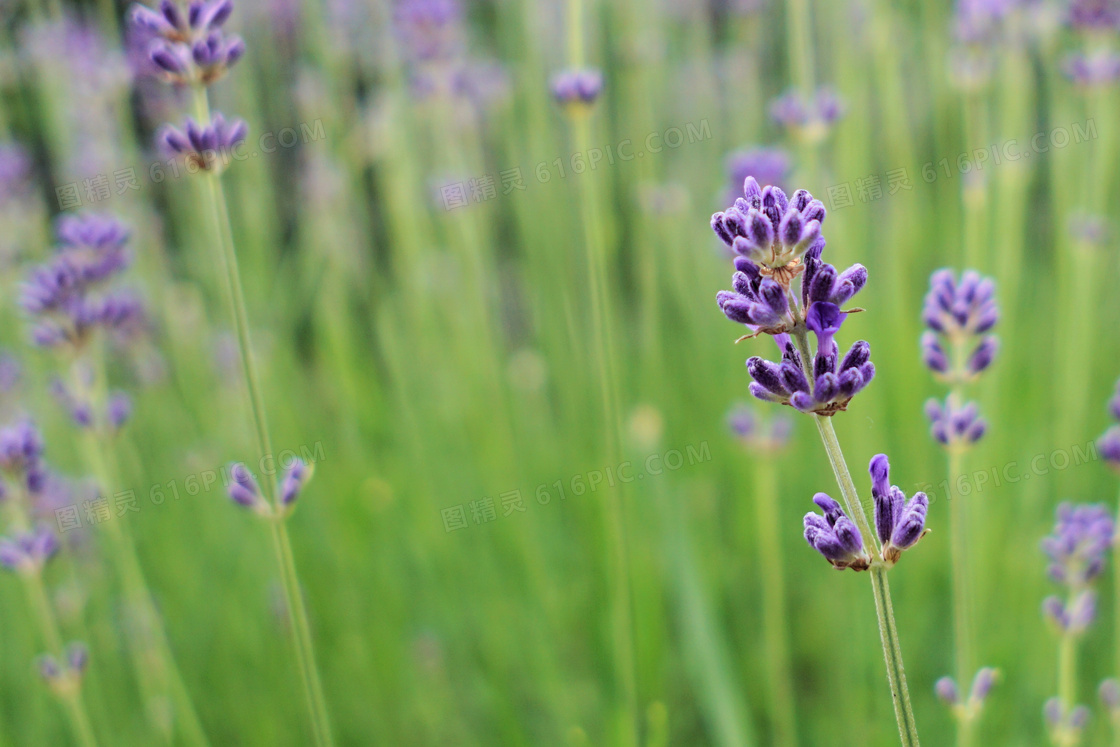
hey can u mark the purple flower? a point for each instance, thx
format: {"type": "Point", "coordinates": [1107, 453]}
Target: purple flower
{"type": "Point", "coordinates": [205, 147]}
{"type": "Point", "coordinates": [429, 30]}
{"type": "Point", "coordinates": [1114, 403]}
{"type": "Point", "coordinates": [1080, 542]}
{"type": "Point", "coordinates": [1109, 692]}
{"type": "Point", "coordinates": [947, 691]}
{"type": "Point", "coordinates": [959, 316]}
{"type": "Point", "coordinates": [21, 449]}
{"type": "Point", "coordinates": [1094, 69]}
{"type": "Point", "coordinates": [188, 47]}
{"type": "Point", "coordinates": [756, 433]}
{"type": "Point", "coordinates": [1094, 15]}
{"type": "Point", "coordinates": [900, 523]}
{"type": "Point", "coordinates": [810, 118]}
{"type": "Point", "coordinates": [577, 88]}
{"type": "Point", "coordinates": [771, 230]}
{"type": "Point", "coordinates": [294, 481]}
{"type": "Point", "coordinates": [766, 165]}
{"type": "Point", "coordinates": [244, 489]}
{"type": "Point", "coordinates": [118, 410]}
{"type": "Point", "coordinates": [835, 536]}
{"type": "Point", "coordinates": [955, 426]}
{"type": "Point", "coordinates": [29, 551]}
{"type": "Point", "coordinates": [1073, 616]}
{"type": "Point", "coordinates": [1108, 446]}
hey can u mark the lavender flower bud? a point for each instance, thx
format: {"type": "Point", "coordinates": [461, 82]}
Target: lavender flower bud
{"type": "Point", "coordinates": [983, 356]}
{"type": "Point", "coordinates": [118, 410]}
{"type": "Point", "coordinates": [577, 90]}
{"type": "Point", "coordinates": [208, 148]}
{"type": "Point", "coordinates": [808, 119]}
{"type": "Point", "coordinates": [28, 552]}
{"type": "Point", "coordinates": [982, 685]}
{"type": "Point", "coordinates": [77, 657]}
{"type": "Point", "coordinates": [953, 426]}
{"type": "Point", "coordinates": [1079, 544]}
{"type": "Point", "coordinates": [946, 689]}
{"type": "Point", "coordinates": [835, 536]}
{"type": "Point", "coordinates": [295, 479]}
{"type": "Point", "coordinates": [244, 489]}
{"type": "Point", "coordinates": [1108, 446]}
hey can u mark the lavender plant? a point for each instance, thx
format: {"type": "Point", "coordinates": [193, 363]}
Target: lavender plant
{"type": "Point", "coordinates": [957, 347]}
{"type": "Point", "coordinates": [778, 239]}
{"type": "Point", "coordinates": [77, 312]}
{"type": "Point", "coordinates": [1077, 550]}
{"type": "Point", "coordinates": [1108, 446]}
{"type": "Point", "coordinates": [30, 544]}
{"type": "Point", "coordinates": [191, 45]}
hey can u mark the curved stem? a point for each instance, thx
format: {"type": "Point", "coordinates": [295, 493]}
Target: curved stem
{"type": "Point", "coordinates": [888, 628]}
{"type": "Point", "coordinates": [297, 612]}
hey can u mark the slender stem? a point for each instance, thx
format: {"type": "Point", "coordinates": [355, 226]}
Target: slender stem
{"type": "Point", "coordinates": [800, 45]}
{"type": "Point", "coordinates": [1116, 619]}
{"type": "Point", "coordinates": [71, 695]}
{"type": "Point", "coordinates": [1067, 688]}
{"type": "Point", "coordinates": [152, 655]}
{"type": "Point", "coordinates": [962, 629]}
{"type": "Point", "coordinates": [775, 623]}
{"type": "Point", "coordinates": [297, 612]}
{"type": "Point", "coordinates": [618, 570]}
{"type": "Point", "coordinates": [888, 629]}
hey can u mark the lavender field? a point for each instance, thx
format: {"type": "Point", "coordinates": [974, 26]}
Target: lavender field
{"type": "Point", "coordinates": [499, 372]}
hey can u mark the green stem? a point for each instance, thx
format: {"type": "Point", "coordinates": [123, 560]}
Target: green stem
{"type": "Point", "coordinates": [297, 612]}
{"type": "Point", "coordinates": [72, 694]}
{"type": "Point", "coordinates": [962, 629]}
{"type": "Point", "coordinates": [1067, 687]}
{"type": "Point", "coordinates": [800, 45]}
{"type": "Point", "coordinates": [775, 622]}
{"type": "Point", "coordinates": [888, 629]}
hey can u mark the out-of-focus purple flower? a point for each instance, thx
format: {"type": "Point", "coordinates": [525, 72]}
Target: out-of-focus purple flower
{"type": "Point", "coordinates": [1108, 446]}
{"type": "Point", "coordinates": [577, 89]}
{"type": "Point", "coordinates": [28, 552]}
{"type": "Point", "coordinates": [1094, 16]}
{"type": "Point", "coordinates": [947, 691]}
{"type": "Point", "coordinates": [835, 536]}
{"type": "Point", "coordinates": [808, 118]}
{"type": "Point", "coordinates": [1080, 542]}
{"type": "Point", "coordinates": [21, 449]}
{"type": "Point", "coordinates": [1063, 723]}
{"type": "Point", "coordinates": [77, 657]}
{"type": "Point", "coordinates": [294, 481]}
{"type": "Point", "coordinates": [429, 29]}
{"type": "Point", "coordinates": [173, 22]}
{"type": "Point", "coordinates": [15, 171]}
{"type": "Point", "coordinates": [1109, 692]}
{"type": "Point", "coordinates": [955, 426]}
{"type": "Point", "coordinates": [1074, 616]}
{"type": "Point", "coordinates": [756, 433]}
{"type": "Point", "coordinates": [10, 372]}
{"type": "Point", "coordinates": [204, 61]}
{"type": "Point", "coordinates": [766, 165]}
{"type": "Point", "coordinates": [900, 523]}
{"type": "Point", "coordinates": [1114, 403]}
{"type": "Point", "coordinates": [208, 147]}
{"type": "Point", "coordinates": [1094, 69]}
{"type": "Point", "coordinates": [244, 489]}
{"type": "Point", "coordinates": [118, 410]}
{"type": "Point", "coordinates": [959, 316]}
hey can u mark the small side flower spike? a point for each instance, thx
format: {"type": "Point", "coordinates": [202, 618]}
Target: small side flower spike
{"type": "Point", "coordinates": [898, 522]}
{"type": "Point", "coordinates": [835, 536]}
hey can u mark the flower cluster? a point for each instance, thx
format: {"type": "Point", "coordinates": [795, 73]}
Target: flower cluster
{"type": "Point", "coordinates": [188, 45]}
{"type": "Point", "coordinates": [757, 434]}
{"type": "Point", "coordinates": [65, 676]}
{"type": "Point", "coordinates": [66, 298]}
{"type": "Point", "coordinates": [577, 90]}
{"type": "Point", "coordinates": [191, 48]}
{"type": "Point", "coordinates": [207, 147]}
{"type": "Point", "coordinates": [777, 239]}
{"type": "Point", "coordinates": [955, 426]}
{"type": "Point", "coordinates": [1064, 725]}
{"type": "Point", "coordinates": [809, 119]}
{"type": "Point", "coordinates": [959, 316]}
{"type": "Point", "coordinates": [1108, 445]}
{"type": "Point", "coordinates": [899, 523]}
{"type": "Point", "coordinates": [28, 487]}
{"type": "Point", "coordinates": [245, 491]}
{"type": "Point", "coordinates": [967, 709]}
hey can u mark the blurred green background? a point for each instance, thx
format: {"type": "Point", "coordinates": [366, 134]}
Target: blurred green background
{"type": "Point", "coordinates": [432, 356]}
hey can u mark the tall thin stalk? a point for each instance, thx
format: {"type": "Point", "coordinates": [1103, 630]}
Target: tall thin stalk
{"type": "Point", "coordinates": [622, 648]}
{"type": "Point", "coordinates": [888, 628]}
{"type": "Point", "coordinates": [775, 622]}
{"type": "Point", "coordinates": [285, 559]}
{"type": "Point", "coordinates": [962, 624]}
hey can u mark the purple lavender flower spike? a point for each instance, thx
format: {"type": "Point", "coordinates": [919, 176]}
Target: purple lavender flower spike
{"type": "Point", "coordinates": [208, 148]}
{"type": "Point", "coordinates": [1096, 69]}
{"type": "Point", "coordinates": [982, 685]}
{"type": "Point", "coordinates": [577, 90]}
{"type": "Point", "coordinates": [955, 427]}
{"type": "Point", "coordinates": [808, 119]}
{"type": "Point", "coordinates": [1108, 446]}
{"type": "Point", "coordinates": [192, 48]}
{"type": "Point", "coordinates": [1092, 16]}
{"type": "Point", "coordinates": [898, 522]}
{"type": "Point", "coordinates": [835, 536]}
{"type": "Point", "coordinates": [1079, 544]}
{"type": "Point", "coordinates": [28, 552]}
{"type": "Point", "coordinates": [294, 481]}
{"type": "Point", "coordinates": [959, 314]}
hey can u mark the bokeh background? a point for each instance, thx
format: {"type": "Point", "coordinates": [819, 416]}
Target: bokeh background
{"type": "Point", "coordinates": [418, 223]}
